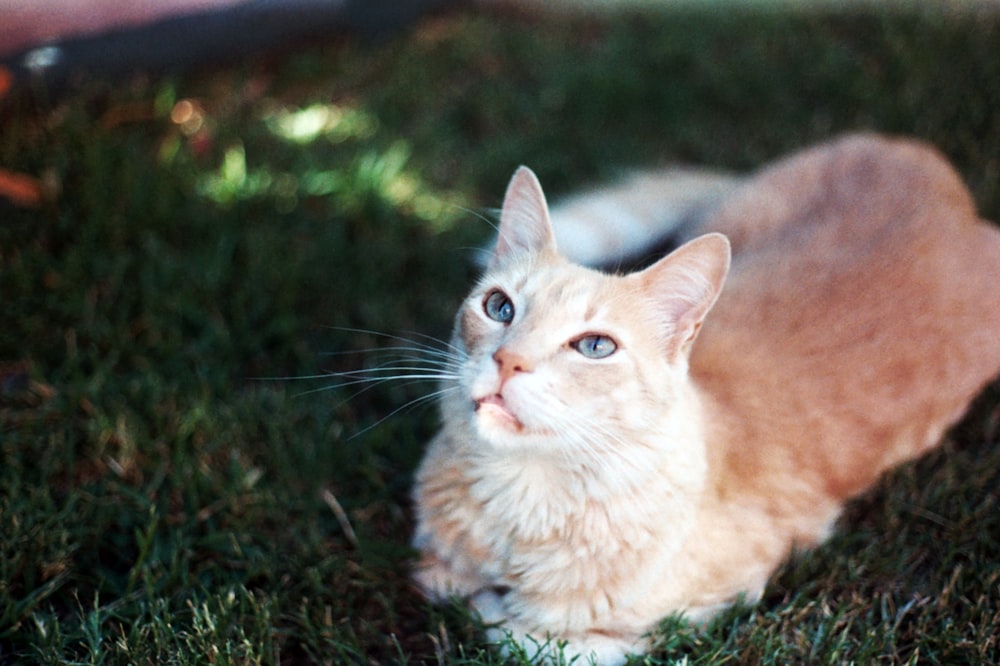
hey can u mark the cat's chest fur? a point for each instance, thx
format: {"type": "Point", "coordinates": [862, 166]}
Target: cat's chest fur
{"type": "Point", "coordinates": [534, 502]}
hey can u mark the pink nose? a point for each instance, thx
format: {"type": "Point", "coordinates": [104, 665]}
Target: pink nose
{"type": "Point", "coordinates": [510, 363]}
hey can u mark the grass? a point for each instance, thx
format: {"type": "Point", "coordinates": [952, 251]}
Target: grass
{"type": "Point", "coordinates": [169, 493]}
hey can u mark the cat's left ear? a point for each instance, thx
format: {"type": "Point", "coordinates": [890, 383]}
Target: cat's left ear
{"type": "Point", "coordinates": [684, 285]}
{"type": "Point", "coordinates": [524, 220]}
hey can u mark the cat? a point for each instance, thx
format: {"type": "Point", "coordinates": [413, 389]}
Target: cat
{"type": "Point", "coordinates": [619, 447]}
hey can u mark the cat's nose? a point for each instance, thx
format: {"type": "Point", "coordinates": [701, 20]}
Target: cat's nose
{"type": "Point", "coordinates": [510, 363]}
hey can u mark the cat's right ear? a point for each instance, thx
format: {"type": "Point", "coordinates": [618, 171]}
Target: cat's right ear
{"type": "Point", "coordinates": [685, 285]}
{"type": "Point", "coordinates": [524, 220]}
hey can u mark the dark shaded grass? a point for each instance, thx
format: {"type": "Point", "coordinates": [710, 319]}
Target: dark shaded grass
{"type": "Point", "coordinates": [164, 498]}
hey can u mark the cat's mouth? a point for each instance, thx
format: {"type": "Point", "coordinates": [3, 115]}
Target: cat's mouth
{"type": "Point", "coordinates": [494, 409]}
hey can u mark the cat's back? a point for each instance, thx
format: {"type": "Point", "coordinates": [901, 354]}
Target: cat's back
{"type": "Point", "coordinates": [861, 315]}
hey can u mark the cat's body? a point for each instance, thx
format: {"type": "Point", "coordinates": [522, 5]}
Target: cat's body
{"type": "Point", "coordinates": [599, 468]}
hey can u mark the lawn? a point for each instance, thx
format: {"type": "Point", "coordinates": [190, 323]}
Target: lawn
{"type": "Point", "coordinates": [181, 480]}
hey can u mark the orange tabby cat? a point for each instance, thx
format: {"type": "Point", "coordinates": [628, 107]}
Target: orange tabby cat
{"type": "Point", "coordinates": [610, 455]}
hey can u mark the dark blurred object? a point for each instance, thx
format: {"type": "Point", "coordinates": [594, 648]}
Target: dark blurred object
{"type": "Point", "coordinates": [216, 34]}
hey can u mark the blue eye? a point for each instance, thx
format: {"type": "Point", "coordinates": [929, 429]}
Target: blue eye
{"type": "Point", "coordinates": [498, 307]}
{"type": "Point", "coordinates": [595, 346]}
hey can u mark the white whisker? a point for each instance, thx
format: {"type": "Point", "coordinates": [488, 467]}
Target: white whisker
{"type": "Point", "coordinates": [372, 382]}
{"type": "Point", "coordinates": [411, 344]}
{"type": "Point", "coordinates": [416, 359]}
{"type": "Point", "coordinates": [412, 404]}
{"type": "Point", "coordinates": [482, 216]}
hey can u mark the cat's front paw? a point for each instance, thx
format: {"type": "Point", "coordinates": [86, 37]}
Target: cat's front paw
{"type": "Point", "coordinates": [601, 648]}
{"type": "Point", "coordinates": [513, 638]}
{"type": "Point", "coordinates": [592, 648]}
{"type": "Point", "coordinates": [439, 580]}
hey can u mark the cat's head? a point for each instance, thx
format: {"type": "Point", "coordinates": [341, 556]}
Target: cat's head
{"type": "Point", "coordinates": [562, 356]}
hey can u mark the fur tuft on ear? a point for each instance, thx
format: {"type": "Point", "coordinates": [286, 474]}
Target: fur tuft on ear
{"type": "Point", "coordinates": [524, 220]}
{"type": "Point", "coordinates": [685, 285]}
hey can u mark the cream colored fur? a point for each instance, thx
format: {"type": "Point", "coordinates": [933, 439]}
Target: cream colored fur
{"type": "Point", "coordinates": [583, 499]}
{"type": "Point", "coordinates": [612, 225]}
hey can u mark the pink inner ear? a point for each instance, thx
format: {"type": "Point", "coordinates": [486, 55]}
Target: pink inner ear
{"type": "Point", "coordinates": [686, 283]}
{"type": "Point", "coordinates": [524, 220]}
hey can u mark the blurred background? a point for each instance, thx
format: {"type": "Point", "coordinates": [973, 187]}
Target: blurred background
{"type": "Point", "coordinates": [206, 208]}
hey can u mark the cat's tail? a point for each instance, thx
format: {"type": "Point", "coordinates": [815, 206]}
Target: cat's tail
{"type": "Point", "coordinates": [648, 211]}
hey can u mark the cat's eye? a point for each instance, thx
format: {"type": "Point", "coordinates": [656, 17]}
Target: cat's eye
{"type": "Point", "coordinates": [498, 307]}
{"type": "Point", "coordinates": [595, 345]}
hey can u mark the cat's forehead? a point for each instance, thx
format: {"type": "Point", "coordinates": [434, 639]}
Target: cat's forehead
{"type": "Point", "coordinates": [560, 290]}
